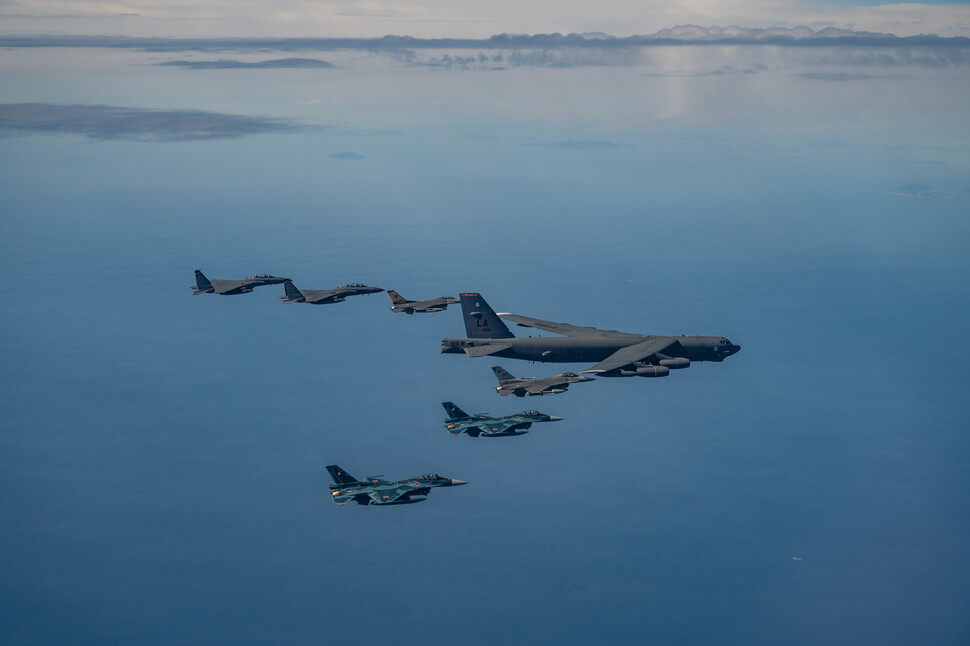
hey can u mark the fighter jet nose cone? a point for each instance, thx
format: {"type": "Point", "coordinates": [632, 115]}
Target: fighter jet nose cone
{"type": "Point", "coordinates": [553, 418]}
{"type": "Point", "coordinates": [455, 483]}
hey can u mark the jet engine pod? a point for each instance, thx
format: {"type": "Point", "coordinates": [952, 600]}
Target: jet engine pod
{"type": "Point", "coordinates": [653, 371]}
{"type": "Point", "coordinates": [676, 363]}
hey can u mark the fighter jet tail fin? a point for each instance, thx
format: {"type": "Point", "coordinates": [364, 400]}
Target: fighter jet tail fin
{"type": "Point", "coordinates": [340, 476]}
{"type": "Point", "coordinates": [453, 411]}
{"type": "Point", "coordinates": [396, 298]}
{"type": "Point", "coordinates": [502, 374]}
{"type": "Point", "coordinates": [293, 295]}
{"type": "Point", "coordinates": [202, 284]}
{"type": "Point", "coordinates": [481, 322]}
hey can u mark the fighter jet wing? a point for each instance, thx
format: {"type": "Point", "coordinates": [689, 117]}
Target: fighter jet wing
{"type": "Point", "coordinates": [384, 496]}
{"type": "Point", "coordinates": [315, 295]}
{"type": "Point", "coordinates": [559, 328]}
{"type": "Point", "coordinates": [633, 353]}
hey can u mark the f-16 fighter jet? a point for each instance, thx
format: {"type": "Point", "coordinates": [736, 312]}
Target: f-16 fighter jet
{"type": "Point", "coordinates": [204, 285]}
{"type": "Point", "coordinates": [324, 296]}
{"type": "Point", "coordinates": [401, 304]}
{"type": "Point", "coordinates": [531, 387]}
{"type": "Point", "coordinates": [620, 354]}
{"type": "Point", "coordinates": [374, 491]}
{"type": "Point", "coordinates": [459, 422]}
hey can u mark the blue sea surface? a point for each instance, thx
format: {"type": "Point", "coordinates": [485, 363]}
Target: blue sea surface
{"type": "Point", "coordinates": [161, 455]}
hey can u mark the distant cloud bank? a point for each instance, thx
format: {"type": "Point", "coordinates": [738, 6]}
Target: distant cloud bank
{"type": "Point", "coordinates": [582, 145]}
{"type": "Point", "coordinates": [108, 123]}
{"type": "Point", "coordinates": [223, 64]}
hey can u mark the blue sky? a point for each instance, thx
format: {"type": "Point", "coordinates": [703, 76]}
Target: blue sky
{"type": "Point", "coordinates": [162, 454]}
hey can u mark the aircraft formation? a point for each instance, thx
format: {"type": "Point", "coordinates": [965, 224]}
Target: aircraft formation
{"type": "Point", "coordinates": [616, 354]}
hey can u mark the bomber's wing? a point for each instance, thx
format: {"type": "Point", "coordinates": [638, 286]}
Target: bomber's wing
{"type": "Point", "coordinates": [560, 328]}
{"type": "Point", "coordinates": [642, 351]}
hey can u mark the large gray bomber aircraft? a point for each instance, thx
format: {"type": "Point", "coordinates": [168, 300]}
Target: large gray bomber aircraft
{"type": "Point", "coordinates": [401, 304]}
{"type": "Point", "coordinates": [620, 354]}
{"type": "Point", "coordinates": [325, 296]}
{"type": "Point", "coordinates": [372, 490]}
{"type": "Point", "coordinates": [532, 386]}
{"type": "Point", "coordinates": [204, 285]}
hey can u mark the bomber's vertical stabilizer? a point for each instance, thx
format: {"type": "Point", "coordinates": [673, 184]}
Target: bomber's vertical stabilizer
{"type": "Point", "coordinates": [454, 412]}
{"type": "Point", "coordinates": [481, 322]}
{"type": "Point", "coordinates": [340, 476]}
{"type": "Point", "coordinates": [202, 284]}
{"type": "Point", "coordinates": [502, 374]}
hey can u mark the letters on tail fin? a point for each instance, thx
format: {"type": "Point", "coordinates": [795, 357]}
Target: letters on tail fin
{"type": "Point", "coordinates": [202, 284]}
{"type": "Point", "coordinates": [453, 411]}
{"type": "Point", "coordinates": [396, 298]}
{"type": "Point", "coordinates": [481, 322]}
{"type": "Point", "coordinates": [293, 295]}
{"type": "Point", "coordinates": [340, 476]}
{"type": "Point", "coordinates": [502, 374]}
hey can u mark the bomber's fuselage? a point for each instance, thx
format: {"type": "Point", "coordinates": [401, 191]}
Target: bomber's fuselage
{"type": "Point", "coordinates": [593, 348]}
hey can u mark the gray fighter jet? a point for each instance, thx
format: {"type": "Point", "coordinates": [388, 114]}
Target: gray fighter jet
{"type": "Point", "coordinates": [459, 422]}
{"type": "Point", "coordinates": [620, 354]}
{"type": "Point", "coordinates": [204, 285]}
{"type": "Point", "coordinates": [374, 491]}
{"type": "Point", "coordinates": [532, 387]}
{"type": "Point", "coordinates": [324, 296]}
{"type": "Point", "coordinates": [401, 304]}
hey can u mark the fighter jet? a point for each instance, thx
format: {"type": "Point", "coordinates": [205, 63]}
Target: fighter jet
{"type": "Point", "coordinates": [532, 387]}
{"type": "Point", "coordinates": [374, 491]}
{"type": "Point", "coordinates": [459, 422]}
{"type": "Point", "coordinates": [401, 304]}
{"type": "Point", "coordinates": [228, 287]}
{"type": "Point", "coordinates": [324, 296]}
{"type": "Point", "coordinates": [620, 354]}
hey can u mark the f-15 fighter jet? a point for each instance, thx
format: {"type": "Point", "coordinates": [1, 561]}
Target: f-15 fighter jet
{"type": "Point", "coordinates": [401, 304]}
{"type": "Point", "coordinates": [372, 490]}
{"type": "Point", "coordinates": [530, 386]}
{"type": "Point", "coordinates": [324, 296]}
{"type": "Point", "coordinates": [204, 285]}
{"type": "Point", "coordinates": [459, 422]}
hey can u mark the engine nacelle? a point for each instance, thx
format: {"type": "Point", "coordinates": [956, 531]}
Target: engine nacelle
{"type": "Point", "coordinates": [676, 363]}
{"type": "Point", "coordinates": [653, 371]}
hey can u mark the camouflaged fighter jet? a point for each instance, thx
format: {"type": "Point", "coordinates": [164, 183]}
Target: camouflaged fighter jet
{"type": "Point", "coordinates": [204, 285]}
{"type": "Point", "coordinates": [620, 354]}
{"type": "Point", "coordinates": [401, 304]}
{"type": "Point", "coordinates": [325, 296]}
{"type": "Point", "coordinates": [459, 422]}
{"type": "Point", "coordinates": [532, 387]}
{"type": "Point", "coordinates": [374, 491]}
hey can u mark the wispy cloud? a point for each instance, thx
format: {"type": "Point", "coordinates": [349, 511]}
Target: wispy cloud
{"type": "Point", "coordinates": [106, 123]}
{"type": "Point", "coordinates": [225, 64]}
{"type": "Point", "coordinates": [584, 144]}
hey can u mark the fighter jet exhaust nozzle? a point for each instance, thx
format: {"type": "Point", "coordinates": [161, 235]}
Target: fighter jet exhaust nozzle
{"type": "Point", "coordinates": [653, 371]}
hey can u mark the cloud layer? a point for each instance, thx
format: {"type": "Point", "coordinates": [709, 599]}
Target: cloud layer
{"type": "Point", "coordinates": [224, 64]}
{"type": "Point", "coordinates": [106, 123]}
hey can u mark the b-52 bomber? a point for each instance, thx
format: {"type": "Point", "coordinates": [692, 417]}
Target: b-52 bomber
{"type": "Point", "coordinates": [459, 422]}
{"type": "Point", "coordinates": [204, 285]}
{"type": "Point", "coordinates": [325, 296]}
{"type": "Point", "coordinates": [374, 491]}
{"type": "Point", "coordinates": [531, 386]}
{"type": "Point", "coordinates": [401, 304]}
{"type": "Point", "coordinates": [620, 354]}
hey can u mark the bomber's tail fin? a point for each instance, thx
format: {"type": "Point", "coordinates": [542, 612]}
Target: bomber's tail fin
{"type": "Point", "coordinates": [293, 295]}
{"type": "Point", "coordinates": [502, 374]}
{"type": "Point", "coordinates": [453, 411]}
{"type": "Point", "coordinates": [481, 322]}
{"type": "Point", "coordinates": [202, 284]}
{"type": "Point", "coordinates": [396, 298]}
{"type": "Point", "coordinates": [340, 476]}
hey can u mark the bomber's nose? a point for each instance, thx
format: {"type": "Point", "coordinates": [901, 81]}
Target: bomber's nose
{"type": "Point", "coordinates": [455, 483]}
